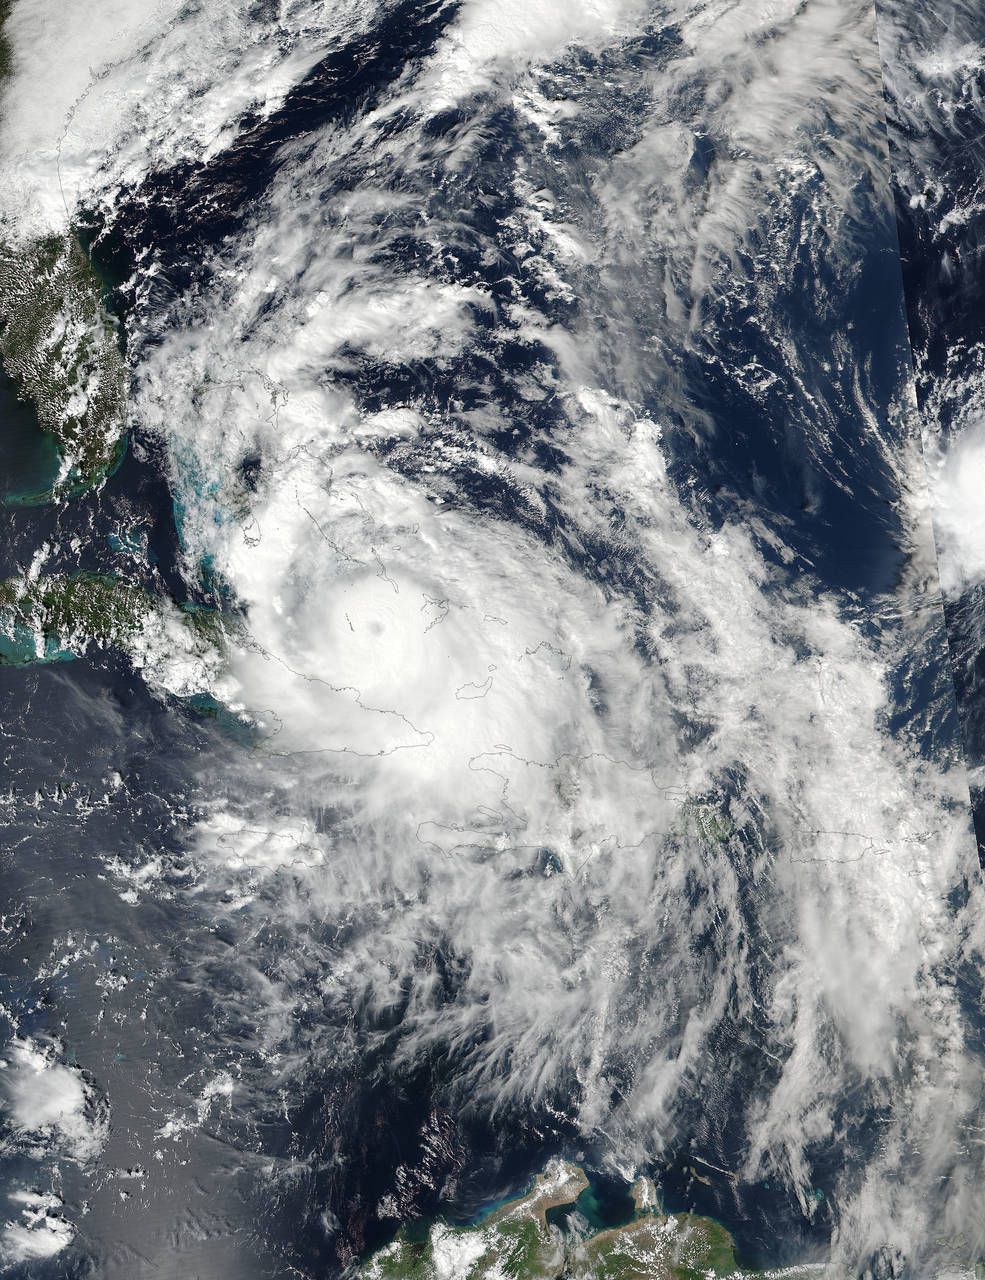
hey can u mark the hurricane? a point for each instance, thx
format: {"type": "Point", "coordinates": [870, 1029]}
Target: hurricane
{"type": "Point", "coordinates": [490, 630]}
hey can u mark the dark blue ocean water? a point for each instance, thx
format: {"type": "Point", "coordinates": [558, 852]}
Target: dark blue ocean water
{"type": "Point", "coordinates": [260, 1179]}
{"type": "Point", "coordinates": [30, 457]}
{"type": "Point", "coordinates": [942, 243]}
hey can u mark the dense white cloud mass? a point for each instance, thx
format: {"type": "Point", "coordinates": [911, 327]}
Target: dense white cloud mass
{"type": "Point", "coordinates": [36, 1231]}
{"type": "Point", "coordinates": [98, 96]}
{"type": "Point", "coordinates": [596, 778]}
{"type": "Point", "coordinates": [50, 1113]}
{"type": "Point", "coordinates": [957, 505]}
{"type": "Point", "coordinates": [49, 1104]}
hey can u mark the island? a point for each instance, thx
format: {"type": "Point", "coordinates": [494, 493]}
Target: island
{"type": "Point", "coordinates": [57, 617]}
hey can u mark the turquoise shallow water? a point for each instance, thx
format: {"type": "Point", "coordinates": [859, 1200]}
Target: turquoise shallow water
{"type": "Point", "coordinates": [493, 1206]}
{"type": "Point", "coordinates": [605, 1203]}
{"type": "Point", "coordinates": [19, 649]}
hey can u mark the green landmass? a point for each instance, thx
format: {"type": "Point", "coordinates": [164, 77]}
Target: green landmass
{"type": "Point", "coordinates": [62, 616]}
{"type": "Point", "coordinates": [709, 821]}
{"type": "Point", "coordinates": [60, 348]}
{"type": "Point", "coordinates": [518, 1242]}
